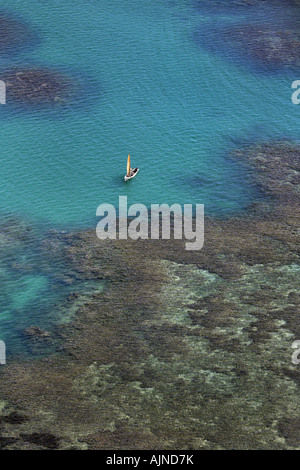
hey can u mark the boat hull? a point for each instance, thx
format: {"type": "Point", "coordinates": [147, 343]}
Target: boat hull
{"type": "Point", "coordinates": [134, 172]}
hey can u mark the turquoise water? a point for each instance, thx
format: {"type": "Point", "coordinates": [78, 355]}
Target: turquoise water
{"type": "Point", "coordinates": [148, 86]}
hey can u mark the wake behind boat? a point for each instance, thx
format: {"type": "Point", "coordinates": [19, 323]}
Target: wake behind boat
{"type": "Point", "coordinates": [131, 173]}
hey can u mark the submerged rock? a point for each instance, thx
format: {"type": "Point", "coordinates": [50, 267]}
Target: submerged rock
{"type": "Point", "coordinates": [37, 333]}
{"type": "Point", "coordinates": [43, 440]}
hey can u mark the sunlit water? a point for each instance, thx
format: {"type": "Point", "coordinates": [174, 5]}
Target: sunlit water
{"type": "Point", "coordinates": [153, 81]}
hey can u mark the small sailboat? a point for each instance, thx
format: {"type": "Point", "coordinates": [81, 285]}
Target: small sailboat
{"type": "Point", "coordinates": [131, 173]}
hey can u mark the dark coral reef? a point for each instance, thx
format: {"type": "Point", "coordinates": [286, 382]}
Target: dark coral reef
{"type": "Point", "coordinates": [14, 34]}
{"type": "Point", "coordinates": [181, 350]}
{"type": "Point", "coordinates": [37, 86]}
{"type": "Point", "coordinates": [265, 45]}
{"type": "Point", "coordinates": [268, 40]}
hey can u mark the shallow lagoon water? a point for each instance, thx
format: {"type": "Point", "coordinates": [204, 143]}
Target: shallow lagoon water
{"type": "Point", "coordinates": [147, 86]}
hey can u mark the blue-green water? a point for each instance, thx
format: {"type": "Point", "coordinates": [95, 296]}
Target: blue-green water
{"type": "Point", "coordinates": [148, 86]}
